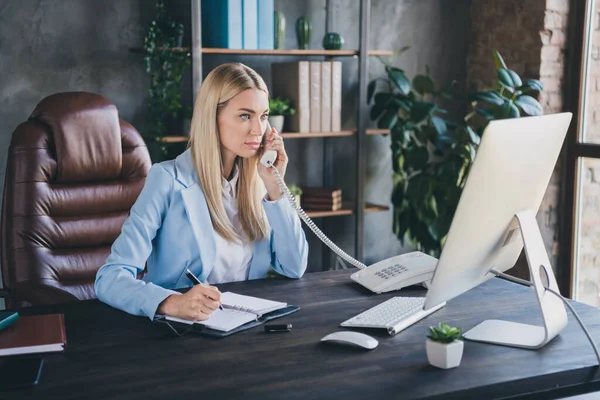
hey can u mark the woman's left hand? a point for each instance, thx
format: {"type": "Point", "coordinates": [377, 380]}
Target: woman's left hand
{"type": "Point", "coordinates": [273, 142]}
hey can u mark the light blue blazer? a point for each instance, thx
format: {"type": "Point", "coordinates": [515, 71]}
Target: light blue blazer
{"type": "Point", "coordinates": [169, 228]}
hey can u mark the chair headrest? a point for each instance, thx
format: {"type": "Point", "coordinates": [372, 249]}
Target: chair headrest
{"type": "Point", "coordinates": [87, 135]}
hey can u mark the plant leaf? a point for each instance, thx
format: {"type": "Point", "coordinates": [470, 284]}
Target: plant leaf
{"type": "Point", "coordinates": [440, 125]}
{"type": "Point", "coordinates": [397, 76]}
{"type": "Point", "coordinates": [532, 84]}
{"type": "Point", "coordinates": [516, 79]}
{"type": "Point", "coordinates": [418, 189]}
{"type": "Point", "coordinates": [402, 103]}
{"type": "Point", "coordinates": [473, 136]}
{"type": "Point", "coordinates": [485, 111]}
{"type": "Point", "coordinates": [371, 90]}
{"type": "Point", "coordinates": [505, 78]}
{"type": "Point", "coordinates": [529, 105]}
{"type": "Point", "coordinates": [498, 60]}
{"type": "Point", "coordinates": [420, 111]}
{"type": "Point", "coordinates": [489, 96]}
{"type": "Point", "coordinates": [376, 111]}
{"type": "Point", "coordinates": [508, 110]}
{"type": "Point", "coordinates": [417, 157]}
{"type": "Point", "coordinates": [388, 120]}
{"type": "Point", "coordinates": [423, 84]}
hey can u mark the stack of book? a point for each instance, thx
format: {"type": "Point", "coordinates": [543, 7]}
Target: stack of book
{"type": "Point", "coordinates": [314, 89]}
{"type": "Point", "coordinates": [238, 24]}
{"type": "Point", "coordinates": [321, 199]}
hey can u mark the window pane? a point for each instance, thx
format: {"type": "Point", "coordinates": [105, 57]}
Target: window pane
{"type": "Point", "coordinates": [591, 104]}
{"type": "Point", "coordinates": [588, 235]}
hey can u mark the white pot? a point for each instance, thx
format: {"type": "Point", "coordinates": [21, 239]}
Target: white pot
{"type": "Point", "coordinates": [444, 355]}
{"type": "Point", "coordinates": [297, 198]}
{"type": "Point", "coordinates": [276, 122]}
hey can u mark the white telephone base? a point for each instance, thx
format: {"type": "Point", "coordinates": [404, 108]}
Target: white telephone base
{"type": "Point", "coordinates": [397, 272]}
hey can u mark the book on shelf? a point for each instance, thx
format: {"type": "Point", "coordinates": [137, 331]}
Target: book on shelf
{"type": "Point", "coordinates": [321, 192]}
{"type": "Point", "coordinates": [266, 24]}
{"type": "Point", "coordinates": [315, 96]}
{"type": "Point", "coordinates": [336, 96]}
{"type": "Point", "coordinates": [314, 89]}
{"type": "Point", "coordinates": [238, 24]}
{"type": "Point", "coordinates": [222, 24]}
{"type": "Point", "coordinates": [322, 201]}
{"type": "Point", "coordinates": [307, 206]}
{"type": "Point", "coordinates": [326, 98]}
{"type": "Point", "coordinates": [250, 24]}
{"type": "Point", "coordinates": [290, 80]}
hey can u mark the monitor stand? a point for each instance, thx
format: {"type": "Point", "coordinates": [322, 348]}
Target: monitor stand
{"type": "Point", "coordinates": [554, 315]}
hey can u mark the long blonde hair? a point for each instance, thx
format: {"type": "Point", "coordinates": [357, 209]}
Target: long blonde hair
{"type": "Point", "coordinates": [222, 84]}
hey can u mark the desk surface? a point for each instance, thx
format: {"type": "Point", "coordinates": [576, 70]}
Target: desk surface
{"type": "Point", "coordinates": [114, 355]}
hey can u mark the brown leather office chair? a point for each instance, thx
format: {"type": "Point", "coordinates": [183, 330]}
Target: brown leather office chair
{"type": "Point", "coordinates": [74, 170]}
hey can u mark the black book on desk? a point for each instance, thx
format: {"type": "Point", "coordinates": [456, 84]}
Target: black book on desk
{"type": "Point", "coordinates": [240, 312]}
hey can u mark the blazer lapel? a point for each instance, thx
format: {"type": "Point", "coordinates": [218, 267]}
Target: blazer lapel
{"type": "Point", "coordinates": [197, 212]}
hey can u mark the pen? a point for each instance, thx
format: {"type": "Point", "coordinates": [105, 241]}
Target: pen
{"type": "Point", "coordinates": [196, 281]}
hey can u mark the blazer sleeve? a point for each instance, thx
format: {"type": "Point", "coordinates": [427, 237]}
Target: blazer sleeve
{"type": "Point", "coordinates": [289, 248]}
{"type": "Point", "coordinates": [116, 281]}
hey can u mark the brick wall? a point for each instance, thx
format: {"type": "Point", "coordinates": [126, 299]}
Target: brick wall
{"type": "Point", "coordinates": [530, 35]}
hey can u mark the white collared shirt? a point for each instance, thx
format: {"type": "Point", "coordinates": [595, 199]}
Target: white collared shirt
{"type": "Point", "coordinates": [232, 259]}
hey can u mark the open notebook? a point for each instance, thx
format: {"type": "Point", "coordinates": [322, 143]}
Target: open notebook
{"type": "Point", "coordinates": [238, 310]}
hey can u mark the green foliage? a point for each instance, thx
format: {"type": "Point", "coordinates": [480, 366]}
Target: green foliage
{"type": "Point", "coordinates": [279, 106]}
{"type": "Point", "coordinates": [295, 190]}
{"type": "Point", "coordinates": [509, 99]}
{"type": "Point", "coordinates": [432, 155]}
{"type": "Point", "coordinates": [165, 64]}
{"type": "Point", "coordinates": [444, 333]}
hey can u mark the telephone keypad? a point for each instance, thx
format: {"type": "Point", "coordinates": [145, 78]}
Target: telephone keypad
{"type": "Point", "coordinates": [391, 271]}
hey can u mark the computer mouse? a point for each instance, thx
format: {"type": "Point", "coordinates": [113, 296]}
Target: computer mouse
{"type": "Point", "coordinates": [351, 338]}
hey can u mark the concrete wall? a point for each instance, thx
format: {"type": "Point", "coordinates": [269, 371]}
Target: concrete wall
{"type": "Point", "coordinates": [53, 46]}
{"type": "Point", "coordinates": [56, 46]}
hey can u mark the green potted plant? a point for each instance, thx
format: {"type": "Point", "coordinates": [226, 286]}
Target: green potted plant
{"type": "Point", "coordinates": [431, 154]}
{"type": "Point", "coordinates": [296, 191]}
{"type": "Point", "coordinates": [278, 109]}
{"type": "Point", "coordinates": [165, 65]}
{"type": "Point", "coordinates": [444, 346]}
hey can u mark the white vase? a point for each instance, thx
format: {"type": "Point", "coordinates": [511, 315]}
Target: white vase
{"type": "Point", "coordinates": [276, 122]}
{"type": "Point", "coordinates": [444, 355]}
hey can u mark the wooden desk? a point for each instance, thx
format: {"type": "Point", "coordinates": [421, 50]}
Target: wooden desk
{"type": "Point", "coordinates": [112, 355]}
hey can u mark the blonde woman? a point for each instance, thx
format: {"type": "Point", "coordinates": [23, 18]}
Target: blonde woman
{"type": "Point", "coordinates": [207, 210]}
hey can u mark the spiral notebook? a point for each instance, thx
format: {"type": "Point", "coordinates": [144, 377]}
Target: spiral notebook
{"type": "Point", "coordinates": [238, 310]}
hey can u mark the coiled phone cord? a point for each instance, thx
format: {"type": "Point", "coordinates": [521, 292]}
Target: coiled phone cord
{"type": "Point", "coordinates": [312, 225]}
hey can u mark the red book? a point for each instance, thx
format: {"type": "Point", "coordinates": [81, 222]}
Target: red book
{"type": "Point", "coordinates": [34, 334]}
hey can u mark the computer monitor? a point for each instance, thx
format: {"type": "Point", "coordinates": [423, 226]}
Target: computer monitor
{"type": "Point", "coordinates": [495, 220]}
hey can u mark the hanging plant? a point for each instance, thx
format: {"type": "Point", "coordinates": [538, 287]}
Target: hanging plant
{"type": "Point", "coordinates": [165, 64]}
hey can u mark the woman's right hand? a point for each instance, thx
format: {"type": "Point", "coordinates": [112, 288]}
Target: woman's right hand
{"type": "Point", "coordinates": [195, 305]}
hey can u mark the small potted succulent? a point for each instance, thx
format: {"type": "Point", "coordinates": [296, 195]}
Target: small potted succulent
{"type": "Point", "coordinates": [444, 346]}
{"type": "Point", "coordinates": [278, 109]}
{"type": "Point", "coordinates": [296, 192]}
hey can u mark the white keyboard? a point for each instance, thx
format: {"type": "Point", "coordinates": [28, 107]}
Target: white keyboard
{"type": "Point", "coordinates": [395, 314]}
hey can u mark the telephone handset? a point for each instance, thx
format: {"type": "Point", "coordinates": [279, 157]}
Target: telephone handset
{"type": "Point", "coordinates": [391, 274]}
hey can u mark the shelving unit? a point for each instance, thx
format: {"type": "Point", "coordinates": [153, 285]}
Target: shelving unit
{"type": "Point", "coordinates": [359, 207]}
{"type": "Point", "coordinates": [295, 135]}
{"type": "Point", "coordinates": [279, 52]}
